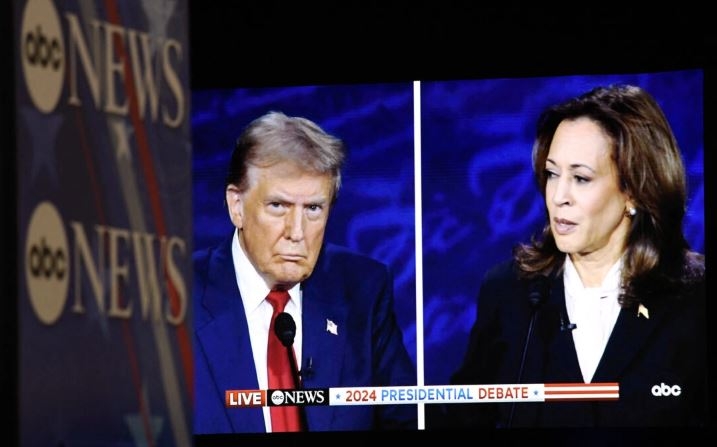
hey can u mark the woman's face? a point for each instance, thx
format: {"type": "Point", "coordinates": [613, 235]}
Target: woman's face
{"type": "Point", "coordinates": [582, 194]}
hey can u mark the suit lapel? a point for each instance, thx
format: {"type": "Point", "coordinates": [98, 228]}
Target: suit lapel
{"type": "Point", "coordinates": [225, 341]}
{"type": "Point", "coordinates": [562, 363]}
{"type": "Point", "coordinates": [324, 317]}
{"type": "Point", "coordinates": [628, 337]}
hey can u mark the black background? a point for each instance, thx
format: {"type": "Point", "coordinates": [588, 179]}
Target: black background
{"type": "Point", "coordinates": [284, 43]}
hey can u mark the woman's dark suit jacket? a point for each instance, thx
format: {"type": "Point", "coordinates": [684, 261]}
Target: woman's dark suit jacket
{"type": "Point", "coordinates": [642, 355]}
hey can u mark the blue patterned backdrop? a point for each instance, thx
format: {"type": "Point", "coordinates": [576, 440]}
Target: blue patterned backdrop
{"type": "Point", "coordinates": [478, 195]}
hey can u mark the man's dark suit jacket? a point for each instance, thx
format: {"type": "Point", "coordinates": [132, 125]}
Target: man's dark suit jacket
{"type": "Point", "coordinates": [642, 354]}
{"type": "Point", "coordinates": [348, 289]}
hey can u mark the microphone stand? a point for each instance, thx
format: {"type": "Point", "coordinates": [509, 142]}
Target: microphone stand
{"type": "Point", "coordinates": [522, 362]}
{"type": "Point", "coordinates": [536, 294]}
{"type": "Point", "coordinates": [297, 384]}
{"type": "Point", "coordinates": [285, 329]}
{"type": "Point", "coordinates": [294, 368]}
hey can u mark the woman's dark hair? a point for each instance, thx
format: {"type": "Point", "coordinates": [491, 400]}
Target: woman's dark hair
{"type": "Point", "coordinates": [650, 171]}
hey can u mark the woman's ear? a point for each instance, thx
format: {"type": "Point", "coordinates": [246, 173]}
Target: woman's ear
{"type": "Point", "coordinates": [234, 205]}
{"type": "Point", "coordinates": [630, 208]}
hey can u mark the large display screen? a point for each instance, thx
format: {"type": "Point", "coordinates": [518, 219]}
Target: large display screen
{"type": "Point", "coordinates": [438, 183]}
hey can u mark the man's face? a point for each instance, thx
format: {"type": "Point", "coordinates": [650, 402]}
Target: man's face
{"type": "Point", "coordinates": [281, 219]}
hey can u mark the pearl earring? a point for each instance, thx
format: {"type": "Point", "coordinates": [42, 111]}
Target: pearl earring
{"type": "Point", "coordinates": [631, 212]}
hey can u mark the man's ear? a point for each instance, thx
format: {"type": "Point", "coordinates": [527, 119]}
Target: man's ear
{"type": "Point", "coordinates": [234, 205]}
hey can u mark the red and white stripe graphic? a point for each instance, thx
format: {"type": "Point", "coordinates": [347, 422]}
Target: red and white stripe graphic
{"type": "Point", "coordinates": [582, 391]}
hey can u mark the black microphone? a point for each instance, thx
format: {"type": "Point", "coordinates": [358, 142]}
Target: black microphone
{"type": "Point", "coordinates": [285, 329]}
{"type": "Point", "coordinates": [538, 289]}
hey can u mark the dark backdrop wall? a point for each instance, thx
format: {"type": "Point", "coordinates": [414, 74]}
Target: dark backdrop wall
{"type": "Point", "coordinates": [8, 239]}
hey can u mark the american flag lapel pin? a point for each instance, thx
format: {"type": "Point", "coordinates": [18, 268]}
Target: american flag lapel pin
{"type": "Point", "coordinates": [642, 310]}
{"type": "Point", "coordinates": [331, 327]}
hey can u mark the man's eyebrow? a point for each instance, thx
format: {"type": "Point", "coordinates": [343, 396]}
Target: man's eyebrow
{"type": "Point", "coordinates": [278, 197]}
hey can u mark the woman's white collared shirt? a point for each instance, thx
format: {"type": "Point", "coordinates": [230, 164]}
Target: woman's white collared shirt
{"type": "Point", "coordinates": [594, 311]}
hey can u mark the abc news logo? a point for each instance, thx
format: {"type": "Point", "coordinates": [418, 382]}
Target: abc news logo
{"type": "Point", "coordinates": [101, 51]}
{"type": "Point", "coordinates": [666, 390]}
{"type": "Point", "coordinates": [276, 398]}
{"type": "Point", "coordinates": [42, 50]}
{"type": "Point", "coordinates": [44, 262]}
{"type": "Point", "coordinates": [127, 261]}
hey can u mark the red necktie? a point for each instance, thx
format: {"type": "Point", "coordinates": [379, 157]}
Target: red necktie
{"type": "Point", "coordinates": [283, 418]}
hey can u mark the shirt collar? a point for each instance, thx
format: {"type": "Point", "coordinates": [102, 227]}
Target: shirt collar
{"type": "Point", "coordinates": [252, 287]}
{"type": "Point", "coordinates": [610, 284]}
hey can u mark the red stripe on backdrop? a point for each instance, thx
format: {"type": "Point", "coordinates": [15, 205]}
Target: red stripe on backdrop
{"type": "Point", "coordinates": [126, 333]}
{"type": "Point", "coordinates": [151, 180]}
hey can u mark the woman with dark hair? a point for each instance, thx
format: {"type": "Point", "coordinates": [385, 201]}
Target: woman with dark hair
{"type": "Point", "coordinates": [610, 291]}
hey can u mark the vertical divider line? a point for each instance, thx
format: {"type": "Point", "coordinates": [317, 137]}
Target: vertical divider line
{"type": "Point", "coordinates": [419, 243]}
